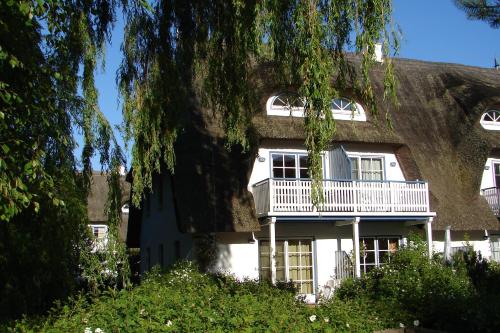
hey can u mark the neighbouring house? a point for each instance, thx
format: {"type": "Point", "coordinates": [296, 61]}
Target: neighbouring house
{"type": "Point", "coordinates": [436, 173]}
{"type": "Point", "coordinates": [96, 207]}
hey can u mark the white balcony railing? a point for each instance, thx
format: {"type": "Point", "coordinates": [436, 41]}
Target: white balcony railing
{"type": "Point", "coordinates": [492, 196]}
{"type": "Point", "coordinates": [341, 197]}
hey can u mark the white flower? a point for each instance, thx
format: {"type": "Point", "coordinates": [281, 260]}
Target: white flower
{"type": "Point", "coordinates": [312, 318]}
{"type": "Point", "coordinates": [327, 320]}
{"type": "Point", "coordinates": [401, 325]}
{"type": "Point", "coordinates": [169, 323]}
{"type": "Point", "coordinates": [98, 330]}
{"type": "Point", "coordinates": [416, 323]}
{"type": "Point", "coordinates": [347, 325]}
{"type": "Point", "coordinates": [88, 330]}
{"type": "Point", "coordinates": [142, 311]}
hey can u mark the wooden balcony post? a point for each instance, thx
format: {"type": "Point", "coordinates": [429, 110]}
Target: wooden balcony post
{"type": "Point", "coordinates": [447, 244]}
{"type": "Point", "coordinates": [271, 195]}
{"type": "Point", "coordinates": [426, 185]}
{"type": "Point", "coordinates": [428, 232]}
{"type": "Point", "coordinates": [355, 232]}
{"type": "Point", "coordinates": [272, 248]}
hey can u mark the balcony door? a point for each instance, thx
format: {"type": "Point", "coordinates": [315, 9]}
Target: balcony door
{"type": "Point", "coordinates": [294, 262]}
{"type": "Point", "coordinates": [496, 174]}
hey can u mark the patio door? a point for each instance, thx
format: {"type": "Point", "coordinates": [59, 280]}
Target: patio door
{"type": "Point", "coordinates": [294, 262]}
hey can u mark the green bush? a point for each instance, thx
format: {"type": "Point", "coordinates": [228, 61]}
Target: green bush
{"type": "Point", "coordinates": [184, 300]}
{"type": "Point", "coordinates": [454, 298]}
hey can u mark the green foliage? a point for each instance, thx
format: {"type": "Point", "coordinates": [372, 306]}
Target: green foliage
{"type": "Point", "coordinates": [184, 300]}
{"type": "Point", "coordinates": [484, 10]}
{"type": "Point", "coordinates": [48, 55]}
{"type": "Point", "coordinates": [176, 50]}
{"type": "Point", "coordinates": [438, 295]}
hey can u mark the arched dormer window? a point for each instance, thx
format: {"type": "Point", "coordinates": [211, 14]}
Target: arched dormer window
{"type": "Point", "coordinates": [125, 208]}
{"type": "Point", "coordinates": [286, 104]}
{"type": "Point", "coordinates": [347, 109]}
{"type": "Point", "coordinates": [291, 104]}
{"type": "Point", "coordinates": [490, 120]}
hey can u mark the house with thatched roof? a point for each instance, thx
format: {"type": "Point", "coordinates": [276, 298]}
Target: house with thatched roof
{"type": "Point", "coordinates": [436, 173]}
{"type": "Point", "coordinates": [96, 206]}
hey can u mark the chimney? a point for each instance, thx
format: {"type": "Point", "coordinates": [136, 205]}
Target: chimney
{"type": "Point", "coordinates": [378, 56]}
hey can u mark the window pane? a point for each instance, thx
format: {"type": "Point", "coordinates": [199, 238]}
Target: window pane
{"type": "Point", "coordinates": [293, 246]}
{"type": "Point", "coordinates": [369, 257]}
{"type": "Point", "coordinates": [393, 244]}
{"type": "Point", "coordinates": [368, 243]}
{"type": "Point", "coordinates": [303, 173]}
{"type": "Point", "coordinates": [277, 160]}
{"type": "Point", "coordinates": [384, 257]}
{"type": "Point", "coordinates": [305, 246]}
{"type": "Point", "coordinates": [382, 244]}
{"type": "Point", "coordinates": [277, 173]}
{"type": "Point", "coordinates": [306, 288]}
{"type": "Point", "coordinates": [303, 161]}
{"type": "Point", "coordinates": [289, 160]}
{"type": "Point", "coordinates": [290, 173]}
{"type": "Point", "coordinates": [376, 164]}
{"type": "Point", "coordinates": [280, 274]}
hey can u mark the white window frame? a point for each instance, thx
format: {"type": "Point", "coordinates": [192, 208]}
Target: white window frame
{"type": "Point", "coordinates": [371, 157]}
{"type": "Point", "coordinates": [99, 243]}
{"type": "Point", "coordinates": [490, 120]}
{"type": "Point", "coordinates": [338, 111]}
{"type": "Point", "coordinates": [342, 111]}
{"type": "Point", "coordinates": [287, 264]}
{"type": "Point", "coordinates": [93, 227]}
{"type": "Point", "coordinates": [376, 250]}
{"type": "Point", "coordinates": [297, 167]}
{"type": "Point", "coordinates": [493, 164]}
{"type": "Point", "coordinates": [495, 248]}
{"type": "Point", "coordinates": [275, 110]}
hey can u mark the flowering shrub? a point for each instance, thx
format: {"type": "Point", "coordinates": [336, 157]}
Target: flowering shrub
{"type": "Point", "coordinates": [184, 300]}
{"type": "Point", "coordinates": [432, 294]}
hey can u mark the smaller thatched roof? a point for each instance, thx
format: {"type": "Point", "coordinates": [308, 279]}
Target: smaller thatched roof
{"type": "Point", "coordinates": [98, 196]}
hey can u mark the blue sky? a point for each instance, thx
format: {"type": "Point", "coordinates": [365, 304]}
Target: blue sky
{"type": "Point", "coordinates": [433, 30]}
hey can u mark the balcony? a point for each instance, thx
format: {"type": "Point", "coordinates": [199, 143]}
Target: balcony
{"type": "Point", "coordinates": [292, 197]}
{"type": "Point", "coordinates": [492, 196]}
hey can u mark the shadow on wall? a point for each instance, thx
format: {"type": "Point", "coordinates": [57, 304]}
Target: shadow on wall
{"type": "Point", "coordinates": [210, 181]}
{"type": "Point", "coordinates": [210, 255]}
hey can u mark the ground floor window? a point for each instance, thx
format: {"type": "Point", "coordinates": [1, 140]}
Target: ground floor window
{"type": "Point", "coordinates": [495, 248]}
{"type": "Point", "coordinates": [376, 251]}
{"type": "Point", "coordinates": [294, 262]}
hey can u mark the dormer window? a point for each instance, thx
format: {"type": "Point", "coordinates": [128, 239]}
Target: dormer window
{"type": "Point", "coordinates": [490, 120]}
{"type": "Point", "coordinates": [347, 109]}
{"type": "Point", "coordinates": [291, 104]}
{"type": "Point", "coordinates": [286, 104]}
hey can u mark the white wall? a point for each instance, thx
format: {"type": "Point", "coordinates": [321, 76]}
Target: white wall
{"type": "Point", "coordinates": [159, 227]}
{"type": "Point", "coordinates": [241, 258]}
{"type": "Point", "coordinates": [488, 179]}
{"type": "Point", "coordinates": [262, 170]}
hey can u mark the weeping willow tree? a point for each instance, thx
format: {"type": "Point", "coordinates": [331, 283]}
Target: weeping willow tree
{"type": "Point", "coordinates": [49, 51]}
{"type": "Point", "coordinates": [172, 47]}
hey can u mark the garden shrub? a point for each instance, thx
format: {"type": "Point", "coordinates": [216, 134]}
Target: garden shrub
{"type": "Point", "coordinates": [452, 298]}
{"type": "Point", "coordinates": [185, 300]}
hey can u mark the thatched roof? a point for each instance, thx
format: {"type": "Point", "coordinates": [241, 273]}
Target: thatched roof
{"type": "Point", "coordinates": [98, 197]}
{"type": "Point", "coordinates": [436, 137]}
